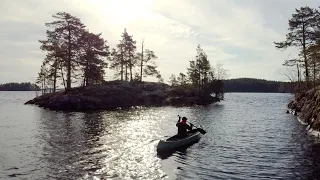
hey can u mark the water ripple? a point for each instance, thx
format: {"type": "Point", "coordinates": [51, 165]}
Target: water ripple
{"type": "Point", "coordinates": [249, 136]}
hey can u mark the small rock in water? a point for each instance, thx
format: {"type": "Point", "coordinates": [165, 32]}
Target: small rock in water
{"type": "Point", "coordinates": [16, 174]}
{"type": "Point", "coordinates": [12, 175]}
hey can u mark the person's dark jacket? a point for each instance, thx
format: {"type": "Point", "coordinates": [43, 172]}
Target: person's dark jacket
{"type": "Point", "coordinates": [182, 128]}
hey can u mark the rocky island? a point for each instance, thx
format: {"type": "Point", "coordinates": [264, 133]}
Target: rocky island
{"type": "Point", "coordinates": [114, 95]}
{"type": "Point", "coordinates": [75, 54]}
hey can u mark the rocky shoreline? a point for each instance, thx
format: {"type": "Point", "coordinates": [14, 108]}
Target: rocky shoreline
{"type": "Point", "coordinates": [114, 95]}
{"type": "Point", "coordinates": [306, 105]}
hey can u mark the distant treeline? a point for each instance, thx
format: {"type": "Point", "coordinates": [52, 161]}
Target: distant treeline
{"type": "Point", "coordinates": [25, 86]}
{"type": "Point", "coordinates": [257, 85]}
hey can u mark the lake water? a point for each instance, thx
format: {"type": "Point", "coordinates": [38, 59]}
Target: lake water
{"type": "Point", "coordinates": [249, 136]}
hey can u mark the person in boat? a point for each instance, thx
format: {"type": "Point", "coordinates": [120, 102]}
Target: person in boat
{"type": "Point", "coordinates": [183, 127]}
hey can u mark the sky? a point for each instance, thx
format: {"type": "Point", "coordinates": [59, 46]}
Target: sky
{"type": "Point", "coordinates": [238, 34]}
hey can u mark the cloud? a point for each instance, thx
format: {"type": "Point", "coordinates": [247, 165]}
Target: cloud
{"type": "Point", "coordinates": [238, 34]}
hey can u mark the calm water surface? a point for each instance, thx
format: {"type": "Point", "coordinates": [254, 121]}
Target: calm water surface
{"type": "Point", "coordinates": [249, 136]}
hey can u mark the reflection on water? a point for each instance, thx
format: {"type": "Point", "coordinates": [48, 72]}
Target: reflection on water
{"type": "Point", "coordinates": [109, 145]}
{"type": "Point", "coordinates": [180, 150]}
{"type": "Point", "coordinates": [249, 136]}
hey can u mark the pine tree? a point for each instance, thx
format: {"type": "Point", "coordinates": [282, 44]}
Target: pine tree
{"type": "Point", "coordinates": [204, 67]}
{"type": "Point", "coordinates": [193, 73]}
{"type": "Point", "coordinates": [173, 80]}
{"type": "Point", "coordinates": [314, 59]}
{"type": "Point", "coordinates": [53, 58]}
{"type": "Point", "coordinates": [203, 77]}
{"type": "Point", "coordinates": [141, 60]}
{"type": "Point", "coordinates": [53, 70]}
{"type": "Point", "coordinates": [302, 33]}
{"type": "Point", "coordinates": [199, 70]}
{"type": "Point", "coordinates": [117, 61]}
{"type": "Point", "coordinates": [221, 73]}
{"type": "Point", "coordinates": [94, 50]}
{"type": "Point", "coordinates": [160, 78]}
{"type": "Point", "coordinates": [150, 67]}
{"type": "Point", "coordinates": [67, 29]}
{"type": "Point", "coordinates": [121, 58]}
{"type": "Point", "coordinates": [129, 53]}
{"type": "Point", "coordinates": [124, 58]}
{"type": "Point", "coordinates": [182, 79]}
{"type": "Point", "coordinates": [147, 66]}
{"type": "Point", "coordinates": [42, 77]}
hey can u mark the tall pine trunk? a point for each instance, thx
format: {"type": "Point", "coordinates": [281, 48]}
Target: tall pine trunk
{"type": "Point", "coordinates": [198, 77]}
{"type": "Point", "coordinates": [130, 66]}
{"type": "Point", "coordinates": [126, 71]}
{"type": "Point", "coordinates": [298, 77]}
{"type": "Point", "coordinates": [55, 77]}
{"type": "Point", "coordinates": [314, 74]}
{"type": "Point", "coordinates": [141, 65]}
{"type": "Point", "coordinates": [87, 74]}
{"type": "Point", "coordinates": [122, 61]}
{"type": "Point", "coordinates": [305, 53]}
{"type": "Point", "coordinates": [63, 80]}
{"type": "Point", "coordinates": [44, 84]}
{"type": "Point", "coordinates": [69, 60]}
